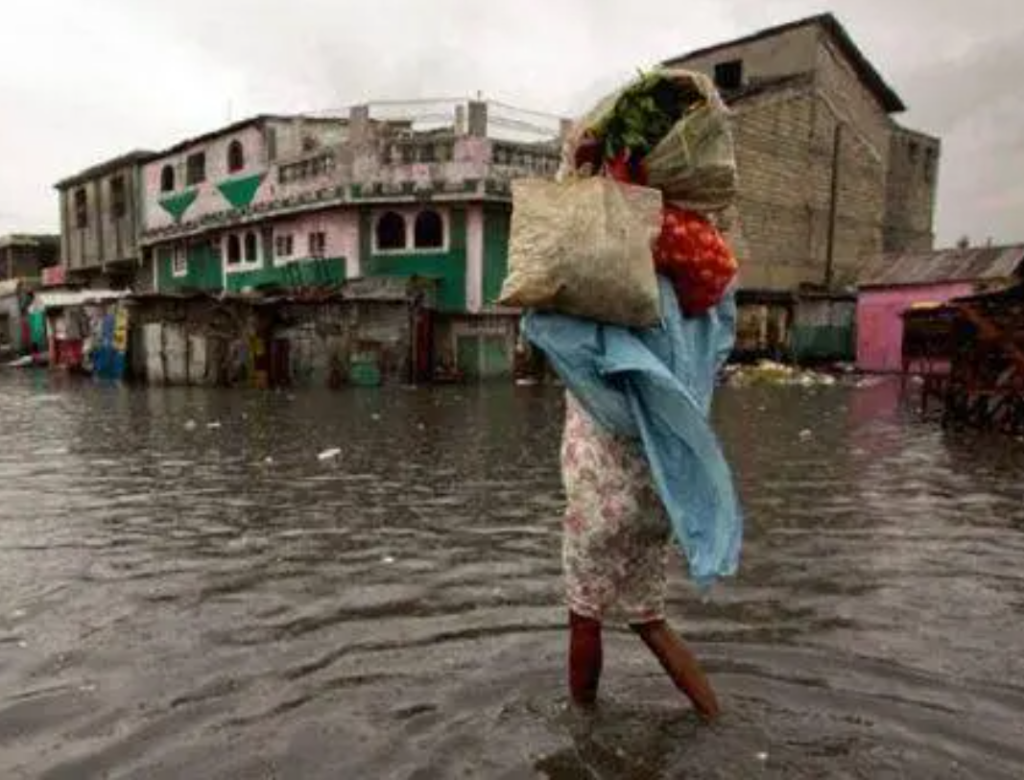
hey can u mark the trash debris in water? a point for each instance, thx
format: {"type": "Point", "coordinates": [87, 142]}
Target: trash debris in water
{"type": "Point", "coordinates": [387, 559]}
{"type": "Point", "coordinates": [190, 425]}
{"type": "Point", "coordinates": [18, 614]}
{"type": "Point", "coordinates": [330, 454]}
{"type": "Point", "coordinates": [375, 417]}
{"type": "Point", "coordinates": [806, 433]}
{"type": "Point", "coordinates": [213, 426]}
{"type": "Point", "coordinates": [769, 372]}
{"type": "Point", "coordinates": [762, 756]}
{"type": "Point", "coordinates": [269, 459]}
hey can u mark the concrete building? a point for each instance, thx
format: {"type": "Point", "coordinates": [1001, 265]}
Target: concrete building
{"type": "Point", "coordinates": [100, 223]}
{"type": "Point", "coordinates": [27, 256]}
{"type": "Point", "coordinates": [828, 178]}
{"type": "Point", "coordinates": [413, 191]}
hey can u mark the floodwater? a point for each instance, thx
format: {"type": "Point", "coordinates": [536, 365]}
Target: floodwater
{"type": "Point", "coordinates": [212, 600]}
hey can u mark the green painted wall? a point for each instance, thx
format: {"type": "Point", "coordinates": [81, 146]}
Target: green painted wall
{"type": "Point", "coordinates": [320, 272]}
{"type": "Point", "coordinates": [497, 222]}
{"type": "Point", "coordinates": [204, 269]}
{"type": "Point", "coordinates": [448, 267]}
{"type": "Point", "coordinates": [176, 205]}
{"type": "Point", "coordinates": [240, 192]}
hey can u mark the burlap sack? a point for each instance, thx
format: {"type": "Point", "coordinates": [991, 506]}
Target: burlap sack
{"type": "Point", "coordinates": [583, 247]}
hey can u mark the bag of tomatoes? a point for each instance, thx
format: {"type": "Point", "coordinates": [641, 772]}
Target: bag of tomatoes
{"type": "Point", "coordinates": [695, 257]}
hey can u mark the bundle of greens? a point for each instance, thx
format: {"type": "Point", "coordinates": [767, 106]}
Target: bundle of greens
{"type": "Point", "coordinates": [643, 115]}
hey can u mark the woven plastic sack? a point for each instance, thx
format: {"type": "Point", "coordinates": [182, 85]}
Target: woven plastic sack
{"type": "Point", "coordinates": [583, 247]}
{"type": "Point", "coordinates": [694, 165]}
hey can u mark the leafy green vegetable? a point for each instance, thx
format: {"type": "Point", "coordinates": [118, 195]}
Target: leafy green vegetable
{"type": "Point", "coordinates": [643, 114]}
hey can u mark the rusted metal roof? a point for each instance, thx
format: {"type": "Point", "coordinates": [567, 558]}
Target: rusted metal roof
{"type": "Point", "coordinates": [948, 265]}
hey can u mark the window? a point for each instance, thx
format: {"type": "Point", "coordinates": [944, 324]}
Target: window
{"type": "Point", "coordinates": [234, 250]}
{"type": "Point", "coordinates": [429, 230]}
{"type": "Point", "coordinates": [236, 157]}
{"type": "Point", "coordinates": [195, 168]}
{"type": "Point", "coordinates": [729, 75]}
{"type": "Point", "coordinates": [252, 254]}
{"type": "Point", "coordinates": [284, 245]}
{"type": "Point", "coordinates": [179, 262]}
{"type": "Point", "coordinates": [391, 232]}
{"type": "Point", "coordinates": [309, 143]}
{"type": "Point", "coordinates": [317, 244]}
{"type": "Point", "coordinates": [81, 208]}
{"type": "Point", "coordinates": [271, 138]}
{"type": "Point", "coordinates": [929, 164]}
{"type": "Point", "coordinates": [167, 179]}
{"type": "Point", "coordinates": [118, 198]}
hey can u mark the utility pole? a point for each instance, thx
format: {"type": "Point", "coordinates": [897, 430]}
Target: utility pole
{"type": "Point", "coordinates": [833, 207]}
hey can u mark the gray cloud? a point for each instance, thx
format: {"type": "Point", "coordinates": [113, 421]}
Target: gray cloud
{"type": "Point", "coordinates": [80, 82]}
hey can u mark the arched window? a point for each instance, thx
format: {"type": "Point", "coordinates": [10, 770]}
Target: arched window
{"type": "Point", "coordinates": [236, 157]}
{"type": "Point", "coordinates": [234, 250]}
{"type": "Point", "coordinates": [251, 248]}
{"type": "Point", "coordinates": [429, 230]}
{"type": "Point", "coordinates": [167, 179]}
{"type": "Point", "coordinates": [391, 232]}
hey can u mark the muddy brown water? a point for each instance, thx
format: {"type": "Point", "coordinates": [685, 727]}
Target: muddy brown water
{"type": "Point", "coordinates": [214, 601]}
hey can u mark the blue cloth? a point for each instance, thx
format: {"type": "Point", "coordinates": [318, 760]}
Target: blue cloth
{"type": "Point", "coordinates": [656, 385]}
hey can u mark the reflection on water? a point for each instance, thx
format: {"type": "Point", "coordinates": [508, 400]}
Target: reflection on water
{"type": "Point", "coordinates": [189, 591]}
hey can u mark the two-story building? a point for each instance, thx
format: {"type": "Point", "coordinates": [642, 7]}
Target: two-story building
{"type": "Point", "coordinates": [24, 256]}
{"type": "Point", "coordinates": [285, 203]}
{"type": "Point", "coordinates": [100, 223]}
{"type": "Point", "coordinates": [828, 178]}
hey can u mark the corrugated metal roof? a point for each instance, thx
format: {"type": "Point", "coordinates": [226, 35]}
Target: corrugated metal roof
{"type": "Point", "coordinates": [948, 265]}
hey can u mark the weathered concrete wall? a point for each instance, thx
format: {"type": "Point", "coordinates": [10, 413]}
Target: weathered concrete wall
{"type": "Point", "coordinates": [783, 55]}
{"type": "Point", "coordinates": [785, 146]}
{"type": "Point", "coordinates": [910, 196]}
{"type": "Point", "coordinates": [108, 237]}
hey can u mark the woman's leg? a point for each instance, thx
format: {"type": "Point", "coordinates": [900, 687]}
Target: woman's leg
{"type": "Point", "coordinates": [585, 658]}
{"type": "Point", "coordinates": [681, 664]}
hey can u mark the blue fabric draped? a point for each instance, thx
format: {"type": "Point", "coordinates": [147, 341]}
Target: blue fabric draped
{"type": "Point", "coordinates": [656, 385]}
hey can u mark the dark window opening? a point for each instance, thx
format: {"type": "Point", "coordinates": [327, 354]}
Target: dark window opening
{"type": "Point", "coordinates": [81, 208]}
{"type": "Point", "coordinates": [912, 151]}
{"type": "Point", "coordinates": [251, 248]}
{"type": "Point", "coordinates": [317, 244]}
{"type": "Point", "coordinates": [118, 198]}
{"type": "Point", "coordinates": [234, 250]}
{"type": "Point", "coordinates": [729, 75]}
{"type": "Point", "coordinates": [167, 179]}
{"type": "Point", "coordinates": [236, 157]}
{"type": "Point", "coordinates": [429, 230]}
{"type": "Point", "coordinates": [391, 232]}
{"type": "Point", "coordinates": [195, 169]}
{"type": "Point", "coordinates": [271, 143]}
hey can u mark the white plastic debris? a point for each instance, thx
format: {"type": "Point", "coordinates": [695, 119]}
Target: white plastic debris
{"type": "Point", "coordinates": [387, 559]}
{"type": "Point", "coordinates": [190, 425]}
{"type": "Point", "coordinates": [268, 460]}
{"type": "Point", "coordinates": [330, 454]}
{"type": "Point", "coordinates": [375, 417]}
{"type": "Point", "coordinates": [762, 756]}
{"type": "Point", "coordinates": [806, 434]}
{"type": "Point", "coordinates": [18, 614]}
{"type": "Point", "coordinates": [23, 644]}
{"type": "Point", "coordinates": [213, 426]}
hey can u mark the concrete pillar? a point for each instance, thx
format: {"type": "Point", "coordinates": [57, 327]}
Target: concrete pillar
{"type": "Point", "coordinates": [359, 124]}
{"type": "Point", "coordinates": [478, 119]}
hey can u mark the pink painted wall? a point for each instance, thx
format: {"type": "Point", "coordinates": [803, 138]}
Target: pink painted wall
{"type": "Point", "coordinates": [880, 325]}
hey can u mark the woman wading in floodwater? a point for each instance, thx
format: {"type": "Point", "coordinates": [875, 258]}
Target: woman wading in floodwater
{"type": "Point", "coordinates": [640, 463]}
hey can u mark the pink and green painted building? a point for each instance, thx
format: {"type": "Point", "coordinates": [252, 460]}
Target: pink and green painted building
{"type": "Point", "coordinates": [288, 203]}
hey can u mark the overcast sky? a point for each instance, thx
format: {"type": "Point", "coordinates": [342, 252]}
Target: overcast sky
{"type": "Point", "coordinates": [83, 81]}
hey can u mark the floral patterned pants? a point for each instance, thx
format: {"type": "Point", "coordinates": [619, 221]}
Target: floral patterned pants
{"type": "Point", "coordinates": [616, 535]}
